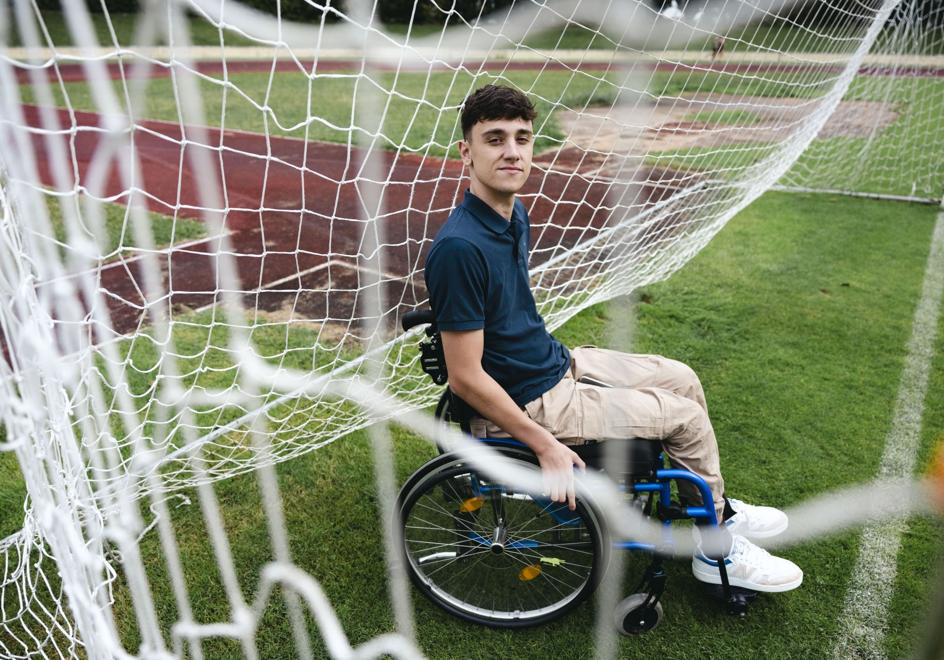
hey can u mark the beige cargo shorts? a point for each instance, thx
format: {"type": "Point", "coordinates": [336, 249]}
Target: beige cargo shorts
{"type": "Point", "coordinates": [609, 395]}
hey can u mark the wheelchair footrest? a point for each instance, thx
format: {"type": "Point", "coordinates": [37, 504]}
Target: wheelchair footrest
{"type": "Point", "coordinates": [738, 600]}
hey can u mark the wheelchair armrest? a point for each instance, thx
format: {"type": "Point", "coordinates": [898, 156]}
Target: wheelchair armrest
{"type": "Point", "coordinates": [418, 317]}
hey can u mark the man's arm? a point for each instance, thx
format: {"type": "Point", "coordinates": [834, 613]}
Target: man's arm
{"type": "Point", "coordinates": [463, 352]}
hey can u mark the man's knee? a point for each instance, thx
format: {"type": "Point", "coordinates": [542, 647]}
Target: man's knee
{"type": "Point", "coordinates": [685, 420]}
{"type": "Point", "coordinates": [681, 375]}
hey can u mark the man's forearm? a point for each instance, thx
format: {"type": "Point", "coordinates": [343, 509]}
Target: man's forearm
{"type": "Point", "coordinates": [483, 393]}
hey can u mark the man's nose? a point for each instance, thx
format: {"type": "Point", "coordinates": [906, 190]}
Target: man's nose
{"type": "Point", "coordinates": [512, 150]}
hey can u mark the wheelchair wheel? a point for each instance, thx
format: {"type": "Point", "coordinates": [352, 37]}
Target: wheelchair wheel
{"type": "Point", "coordinates": [637, 614]}
{"type": "Point", "coordinates": [494, 554]}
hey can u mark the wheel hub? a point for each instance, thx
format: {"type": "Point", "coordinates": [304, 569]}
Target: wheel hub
{"type": "Point", "coordinates": [498, 539]}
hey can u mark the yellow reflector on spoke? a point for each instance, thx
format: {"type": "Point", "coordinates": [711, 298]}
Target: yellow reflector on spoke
{"type": "Point", "coordinates": [471, 504]}
{"type": "Point", "coordinates": [552, 561]}
{"type": "Point", "coordinates": [528, 573]}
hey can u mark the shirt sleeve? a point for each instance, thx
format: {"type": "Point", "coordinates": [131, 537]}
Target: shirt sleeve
{"type": "Point", "coordinates": [457, 279]}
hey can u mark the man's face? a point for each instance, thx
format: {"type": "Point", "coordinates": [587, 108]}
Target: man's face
{"type": "Point", "coordinates": [498, 154]}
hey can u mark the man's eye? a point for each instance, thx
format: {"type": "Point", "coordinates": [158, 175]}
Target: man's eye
{"type": "Point", "coordinates": [495, 141]}
{"type": "Point", "coordinates": [524, 140]}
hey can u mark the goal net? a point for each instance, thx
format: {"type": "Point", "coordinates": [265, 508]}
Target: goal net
{"type": "Point", "coordinates": [213, 219]}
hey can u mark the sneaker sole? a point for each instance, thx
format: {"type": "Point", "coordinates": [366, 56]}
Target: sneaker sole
{"type": "Point", "coordinates": [714, 578]}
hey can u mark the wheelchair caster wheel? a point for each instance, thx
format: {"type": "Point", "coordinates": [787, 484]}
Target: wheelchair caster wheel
{"type": "Point", "coordinates": [633, 616]}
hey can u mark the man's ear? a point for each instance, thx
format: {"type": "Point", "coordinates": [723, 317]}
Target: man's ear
{"type": "Point", "coordinates": [466, 153]}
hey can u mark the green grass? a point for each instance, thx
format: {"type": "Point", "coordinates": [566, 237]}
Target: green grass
{"type": "Point", "coordinates": [921, 559]}
{"type": "Point", "coordinates": [119, 236]}
{"type": "Point", "coordinates": [755, 37]}
{"type": "Point", "coordinates": [798, 329]}
{"type": "Point", "coordinates": [780, 37]}
{"type": "Point", "coordinates": [772, 83]}
{"type": "Point", "coordinates": [202, 32]}
{"type": "Point", "coordinates": [12, 495]}
{"type": "Point", "coordinates": [899, 158]}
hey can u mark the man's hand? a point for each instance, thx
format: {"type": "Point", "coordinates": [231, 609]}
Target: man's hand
{"type": "Point", "coordinates": [557, 470]}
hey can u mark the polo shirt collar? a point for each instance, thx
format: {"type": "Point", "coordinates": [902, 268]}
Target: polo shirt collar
{"type": "Point", "coordinates": [486, 214]}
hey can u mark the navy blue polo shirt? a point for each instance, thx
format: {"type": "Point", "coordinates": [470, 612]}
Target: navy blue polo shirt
{"type": "Point", "coordinates": [477, 276]}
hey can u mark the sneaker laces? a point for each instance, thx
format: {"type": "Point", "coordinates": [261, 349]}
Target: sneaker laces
{"type": "Point", "coordinates": [749, 552]}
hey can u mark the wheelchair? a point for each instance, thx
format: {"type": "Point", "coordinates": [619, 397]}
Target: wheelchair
{"type": "Point", "coordinates": [494, 554]}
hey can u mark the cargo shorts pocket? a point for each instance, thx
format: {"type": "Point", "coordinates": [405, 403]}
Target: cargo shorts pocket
{"type": "Point", "coordinates": [558, 411]}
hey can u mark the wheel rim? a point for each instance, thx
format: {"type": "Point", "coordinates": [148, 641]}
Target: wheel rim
{"type": "Point", "coordinates": [539, 562]}
{"type": "Point", "coordinates": [641, 620]}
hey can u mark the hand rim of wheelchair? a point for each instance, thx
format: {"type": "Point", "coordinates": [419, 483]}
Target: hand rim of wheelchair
{"type": "Point", "coordinates": [444, 470]}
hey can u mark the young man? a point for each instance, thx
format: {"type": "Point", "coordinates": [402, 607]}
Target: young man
{"type": "Point", "coordinates": [503, 362]}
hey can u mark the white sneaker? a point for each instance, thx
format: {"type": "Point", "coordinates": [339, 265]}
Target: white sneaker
{"type": "Point", "coordinates": [750, 567]}
{"type": "Point", "coordinates": [755, 522]}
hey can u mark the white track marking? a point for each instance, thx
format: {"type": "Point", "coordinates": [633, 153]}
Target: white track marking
{"type": "Point", "coordinates": [863, 621]}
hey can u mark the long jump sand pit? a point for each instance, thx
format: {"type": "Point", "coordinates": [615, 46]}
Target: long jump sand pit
{"type": "Point", "coordinates": [706, 121]}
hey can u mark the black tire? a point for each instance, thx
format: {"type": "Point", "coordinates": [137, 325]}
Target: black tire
{"type": "Point", "coordinates": [633, 616]}
{"type": "Point", "coordinates": [544, 563]}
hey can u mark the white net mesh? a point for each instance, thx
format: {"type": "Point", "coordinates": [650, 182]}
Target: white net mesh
{"type": "Point", "coordinates": [201, 242]}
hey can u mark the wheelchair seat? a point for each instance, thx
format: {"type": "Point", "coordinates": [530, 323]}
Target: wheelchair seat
{"type": "Point", "coordinates": [635, 457]}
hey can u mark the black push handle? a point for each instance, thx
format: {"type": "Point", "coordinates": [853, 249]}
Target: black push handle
{"type": "Point", "coordinates": [417, 317]}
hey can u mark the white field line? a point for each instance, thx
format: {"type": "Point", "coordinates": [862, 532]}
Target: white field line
{"type": "Point", "coordinates": [863, 621]}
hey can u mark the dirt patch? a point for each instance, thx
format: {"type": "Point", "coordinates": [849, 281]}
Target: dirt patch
{"type": "Point", "coordinates": [329, 333]}
{"type": "Point", "coordinates": [667, 125]}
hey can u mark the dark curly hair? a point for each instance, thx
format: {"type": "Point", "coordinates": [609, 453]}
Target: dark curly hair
{"type": "Point", "coordinates": [494, 102]}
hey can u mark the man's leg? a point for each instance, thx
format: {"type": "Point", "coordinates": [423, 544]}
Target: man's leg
{"type": "Point", "coordinates": [618, 369]}
{"type": "Point", "coordinates": [645, 371]}
{"type": "Point", "coordinates": [575, 412]}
